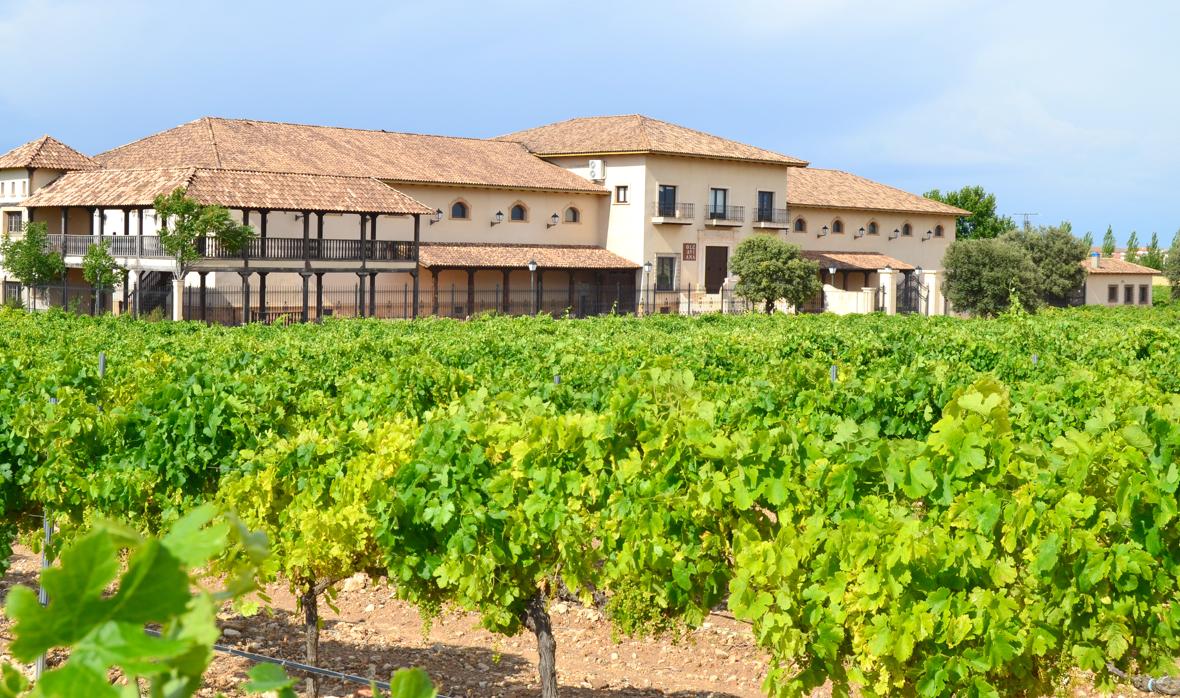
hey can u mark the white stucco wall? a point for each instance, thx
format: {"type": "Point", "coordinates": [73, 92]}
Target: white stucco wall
{"type": "Point", "coordinates": [1097, 288]}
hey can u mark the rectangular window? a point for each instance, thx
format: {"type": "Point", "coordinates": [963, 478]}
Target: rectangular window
{"type": "Point", "coordinates": [1144, 294]}
{"type": "Point", "coordinates": [622, 194]}
{"type": "Point", "coordinates": [765, 206]}
{"type": "Point", "coordinates": [667, 202]}
{"type": "Point", "coordinates": [1128, 295]}
{"type": "Point", "coordinates": [1112, 293]}
{"type": "Point", "coordinates": [24, 187]}
{"type": "Point", "coordinates": [665, 273]}
{"type": "Point", "coordinates": [13, 222]}
{"type": "Point", "coordinates": [718, 202]}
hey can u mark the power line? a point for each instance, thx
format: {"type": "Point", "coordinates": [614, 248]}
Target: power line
{"type": "Point", "coordinates": [1026, 217]}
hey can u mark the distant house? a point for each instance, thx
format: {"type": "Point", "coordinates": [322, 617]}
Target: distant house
{"type": "Point", "coordinates": [1117, 282]}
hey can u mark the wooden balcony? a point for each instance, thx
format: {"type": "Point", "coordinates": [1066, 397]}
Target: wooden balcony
{"type": "Point", "coordinates": [271, 249]}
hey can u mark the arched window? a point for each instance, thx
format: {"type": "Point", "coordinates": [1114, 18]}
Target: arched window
{"type": "Point", "coordinates": [837, 226]}
{"type": "Point", "coordinates": [873, 230]}
{"type": "Point", "coordinates": [460, 210]}
{"type": "Point", "coordinates": [800, 225]}
{"type": "Point", "coordinates": [519, 213]}
{"type": "Point", "coordinates": [938, 231]}
{"type": "Point", "coordinates": [573, 215]}
{"type": "Point", "coordinates": [907, 230]}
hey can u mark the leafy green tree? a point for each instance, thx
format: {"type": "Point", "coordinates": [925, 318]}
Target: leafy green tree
{"type": "Point", "coordinates": [29, 259]}
{"type": "Point", "coordinates": [101, 271]}
{"type": "Point", "coordinates": [185, 222]}
{"type": "Point", "coordinates": [1154, 257]}
{"type": "Point", "coordinates": [1171, 267]}
{"type": "Point", "coordinates": [1088, 239]}
{"type": "Point", "coordinates": [1108, 243]}
{"type": "Point", "coordinates": [983, 275]}
{"type": "Point", "coordinates": [1057, 257]}
{"type": "Point", "coordinates": [1132, 254]}
{"type": "Point", "coordinates": [770, 270]}
{"type": "Point", "coordinates": [983, 222]}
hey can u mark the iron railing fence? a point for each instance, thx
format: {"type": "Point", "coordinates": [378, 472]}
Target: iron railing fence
{"type": "Point", "coordinates": [71, 297]}
{"type": "Point", "coordinates": [674, 209]}
{"type": "Point", "coordinates": [725, 213]}
{"type": "Point", "coordinates": [770, 215]}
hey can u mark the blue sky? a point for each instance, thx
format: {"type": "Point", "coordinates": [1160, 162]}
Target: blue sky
{"type": "Point", "coordinates": [1066, 109]}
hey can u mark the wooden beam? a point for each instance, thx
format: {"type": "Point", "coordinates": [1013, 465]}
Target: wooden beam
{"type": "Point", "coordinates": [470, 292]}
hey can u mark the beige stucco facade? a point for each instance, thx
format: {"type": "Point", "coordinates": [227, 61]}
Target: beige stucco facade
{"type": "Point", "coordinates": [1100, 286]}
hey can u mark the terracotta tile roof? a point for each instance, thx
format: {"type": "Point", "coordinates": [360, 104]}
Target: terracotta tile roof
{"type": "Point", "coordinates": [635, 133]}
{"type": "Point", "coordinates": [264, 146]}
{"type": "Point", "coordinates": [856, 261]}
{"type": "Point", "coordinates": [443, 255]}
{"type": "Point", "coordinates": [808, 186]}
{"type": "Point", "coordinates": [231, 188]}
{"type": "Point", "coordinates": [1107, 265]}
{"type": "Point", "coordinates": [48, 153]}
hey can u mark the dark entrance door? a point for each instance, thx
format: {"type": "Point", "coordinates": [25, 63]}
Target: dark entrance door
{"type": "Point", "coordinates": [716, 268]}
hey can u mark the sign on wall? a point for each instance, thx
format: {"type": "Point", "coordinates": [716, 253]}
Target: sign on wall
{"type": "Point", "coordinates": [690, 252]}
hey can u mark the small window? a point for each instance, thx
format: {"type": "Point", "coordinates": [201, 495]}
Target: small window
{"type": "Point", "coordinates": [573, 215]}
{"type": "Point", "coordinates": [459, 210]}
{"type": "Point", "coordinates": [1112, 293]}
{"type": "Point", "coordinates": [622, 194]}
{"type": "Point", "coordinates": [14, 222]}
{"type": "Point", "coordinates": [24, 187]}
{"type": "Point", "coordinates": [800, 225]}
{"type": "Point", "coordinates": [518, 213]}
{"type": "Point", "coordinates": [837, 226]}
{"type": "Point", "coordinates": [907, 230]}
{"type": "Point", "coordinates": [938, 231]}
{"type": "Point", "coordinates": [1128, 295]}
{"type": "Point", "coordinates": [1144, 294]}
{"type": "Point", "coordinates": [873, 229]}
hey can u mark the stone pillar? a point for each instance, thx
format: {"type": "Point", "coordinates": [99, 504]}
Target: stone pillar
{"type": "Point", "coordinates": [888, 279]}
{"type": "Point", "coordinates": [932, 280]}
{"type": "Point", "coordinates": [177, 297]}
{"type": "Point", "coordinates": [868, 299]}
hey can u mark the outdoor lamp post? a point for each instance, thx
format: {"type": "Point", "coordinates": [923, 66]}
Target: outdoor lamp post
{"type": "Point", "coordinates": [553, 220]}
{"type": "Point", "coordinates": [646, 284]}
{"type": "Point", "coordinates": [532, 277]}
{"type": "Point", "coordinates": [499, 218]}
{"type": "Point", "coordinates": [436, 217]}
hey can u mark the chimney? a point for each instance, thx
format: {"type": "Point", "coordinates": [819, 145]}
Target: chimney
{"type": "Point", "coordinates": [1094, 256]}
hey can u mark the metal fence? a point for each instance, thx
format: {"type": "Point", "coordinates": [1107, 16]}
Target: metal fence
{"type": "Point", "coordinates": [82, 300]}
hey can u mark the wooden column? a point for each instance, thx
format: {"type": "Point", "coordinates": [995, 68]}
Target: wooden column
{"type": "Point", "coordinates": [570, 303]}
{"type": "Point", "coordinates": [126, 292]}
{"type": "Point", "coordinates": [319, 244]}
{"type": "Point", "coordinates": [319, 289]}
{"type": "Point", "coordinates": [262, 252]}
{"type": "Point", "coordinates": [126, 222]}
{"type": "Point", "coordinates": [507, 303]}
{"type": "Point", "coordinates": [360, 292]}
{"type": "Point", "coordinates": [94, 229]}
{"type": "Point", "coordinates": [262, 291]}
{"type": "Point", "coordinates": [139, 232]}
{"type": "Point", "coordinates": [417, 268]}
{"type": "Point", "coordinates": [306, 244]}
{"type": "Point", "coordinates": [373, 294]}
{"type": "Point", "coordinates": [470, 292]}
{"type": "Point", "coordinates": [306, 278]}
{"type": "Point", "coordinates": [245, 296]}
{"type": "Point", "coordinates": [434, 292]}
{"type": "Point", "coordinates": [204, 298]}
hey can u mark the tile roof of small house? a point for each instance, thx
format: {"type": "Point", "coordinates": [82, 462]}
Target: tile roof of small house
{"type": "Point", "coordinates": [856, 261]}
{"type": "Point", "coordinates": [265, 146]}
{"type": "Point", "coordinates": [491, 256]}
{"type": "Point", "coordinates": [1108, 265]}
{"type": "Point", "coordinates": [818, 188]}
{"type": "Point", "coordinates": [117, 188]}
{"type": "Point", "coordinates": [635, 133]}
{"type": "Point", "coordinates": [46, 153]}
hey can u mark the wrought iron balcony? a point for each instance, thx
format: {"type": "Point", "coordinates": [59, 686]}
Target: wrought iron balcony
{"type": "Point", "coordinates": [673, 212]}
{"type": "Point", "coordinates": [277, 249]}
{"type": "Point", "coordinates": [725, 215]}
{"type": "Point", "coordinates": [771, 218]}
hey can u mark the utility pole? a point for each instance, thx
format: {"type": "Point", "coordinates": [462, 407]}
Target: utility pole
{"type": "Point", "coordinates": [1026, 217]}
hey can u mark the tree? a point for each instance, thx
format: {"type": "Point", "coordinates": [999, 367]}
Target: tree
{"type": "Point", "coordinates": [1088, 238]}
{"type": "Point", "coordinates": [1108, 244]}
{"type": "Point", "coordinates": [983, 221]}
{"type": "Point", "coordinates": [29, 258]}
{"type": "Point", "coordinates": [1132, 253]}
{"type": "Point", "coordinates": [982, 276]}
{"type": "Point", "coordinates": [185, 222]}
{"type": "Point", "coordinates": [1154, 257]}
{"type": "Point", "coordinates": [770, 270]}
{"type": "Point", "coordinates": [1171, 266]}
{"type": "Point", "coordinates": [1057, 257]}
{"type": "Point", "coordinates": [100, 270]}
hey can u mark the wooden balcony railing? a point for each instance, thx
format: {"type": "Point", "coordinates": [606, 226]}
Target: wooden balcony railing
{"type": "Point", "coordinates": [277, 249]}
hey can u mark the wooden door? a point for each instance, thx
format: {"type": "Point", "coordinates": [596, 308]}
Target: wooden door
{"type": "Point", "coordinates": [716, 267]}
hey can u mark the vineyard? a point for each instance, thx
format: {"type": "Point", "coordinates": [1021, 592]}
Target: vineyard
{"type": "Point", "coordinates": [898, 505]}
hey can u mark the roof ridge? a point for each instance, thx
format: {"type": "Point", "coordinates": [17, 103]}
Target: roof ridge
{"type": "Point", "coordinates": [213, 140]}
{"type": "Point", "coordinates": [40, 146]}
{"type": "Point", "coordinates": [352, 128]}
